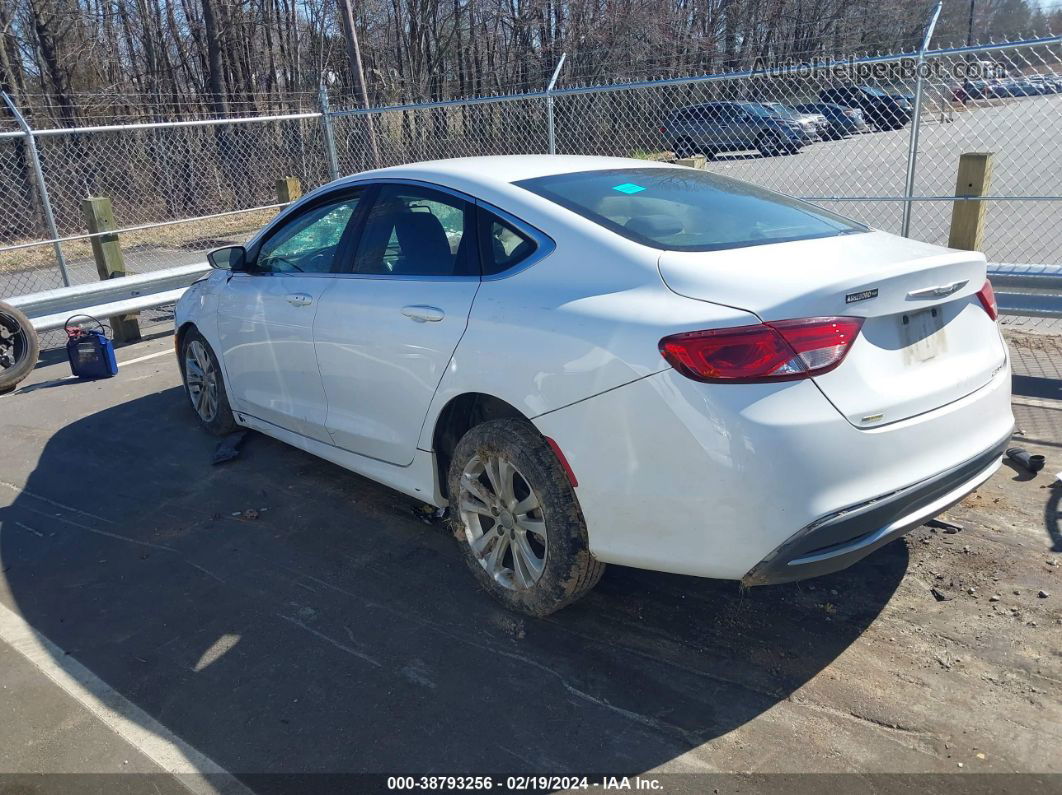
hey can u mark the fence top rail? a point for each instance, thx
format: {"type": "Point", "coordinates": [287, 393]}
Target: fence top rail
{"type": "Point", "coordinates": [160, 125]}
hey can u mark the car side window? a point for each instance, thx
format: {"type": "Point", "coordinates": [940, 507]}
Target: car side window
{"type": "Point", "coordinates": [503, 245]}
{"type": "Point", "coordinates": [415, 231]}
{"type": "Point", "coordinates": [309, 242]}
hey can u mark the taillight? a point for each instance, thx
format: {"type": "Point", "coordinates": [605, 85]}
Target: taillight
{"type": "Point", "coordinates": [663, 129]}
{"type": "Point", "coordinates": [987, 296]}
{"type": "Point", "coordinates": [784, 350]}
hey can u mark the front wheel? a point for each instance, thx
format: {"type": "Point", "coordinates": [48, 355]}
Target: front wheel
{"type": "Point", "coordinates": [19, 347]}
{"type": "Point", "coordinates": [204, 386]}
{"type": "Point", "coordinates": [517, 520]}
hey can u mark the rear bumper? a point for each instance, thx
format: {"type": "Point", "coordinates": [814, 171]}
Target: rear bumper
{"type": "Point", "coordinates": [838, 540]}
{"type": "Point", "coordinates": [712, 481]}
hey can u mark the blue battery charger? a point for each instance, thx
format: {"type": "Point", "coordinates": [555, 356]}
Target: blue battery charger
{"type": "Point", "coordinates": [90, 352]}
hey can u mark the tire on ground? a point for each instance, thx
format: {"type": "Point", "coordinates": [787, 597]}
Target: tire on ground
{"type": "Point", "coordinates": [10, 377]}
{"type": "Point", "coordinates": [570, 571]}
{"type": "Point", "coordinates": [223, 422]}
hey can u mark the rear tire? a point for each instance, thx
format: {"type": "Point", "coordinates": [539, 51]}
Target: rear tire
{"type": "Point", "coordinates": [19, 347]}
{"type": "Point", "coordinates": [517, 520]}
{"type": "Point", "coordinates": [683, 148]}
{"type": "Point", "coordinates": [770, 146]}
{"type": "Point", "coordinates": [204, 385]}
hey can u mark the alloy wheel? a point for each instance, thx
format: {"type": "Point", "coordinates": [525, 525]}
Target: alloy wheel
{"type": "Point", "coordinates": [503, 521]}
{"type": "Point", "coordinates": [202, 379]}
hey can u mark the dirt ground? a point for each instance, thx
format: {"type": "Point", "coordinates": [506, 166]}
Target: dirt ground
{"type": "Point", "coordinates": [329, 630]}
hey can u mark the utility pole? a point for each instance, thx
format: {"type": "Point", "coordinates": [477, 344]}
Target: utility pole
{"type": "Point", "coordinates": [969, 28]}
{"type": "Point", "coordinates": [354, 56]}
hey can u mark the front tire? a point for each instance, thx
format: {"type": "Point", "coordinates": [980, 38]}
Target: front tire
{"type": "Point", "coordinates": [204, 385]}
{"type": "Point", "coordinates": [517, 520]}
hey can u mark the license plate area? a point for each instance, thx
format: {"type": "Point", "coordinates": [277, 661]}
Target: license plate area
{"type": "Point", "coordinates": [923, 335]}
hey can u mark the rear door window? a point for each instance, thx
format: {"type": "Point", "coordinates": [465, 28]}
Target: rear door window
{"type": "Point", "coordinates": [417, 231]}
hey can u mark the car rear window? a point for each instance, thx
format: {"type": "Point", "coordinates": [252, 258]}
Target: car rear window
{"type": "Point", "coordinates": [683, 209]}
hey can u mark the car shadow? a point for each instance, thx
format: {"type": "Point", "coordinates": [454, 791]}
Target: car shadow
{"type": "Point", "coordinates": [282, 615]}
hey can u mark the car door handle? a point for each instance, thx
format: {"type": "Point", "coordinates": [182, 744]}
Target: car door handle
{"type": "Point", "coordinates": [423, 314]}
{"type": "Point", "coordinates": [299, 299]}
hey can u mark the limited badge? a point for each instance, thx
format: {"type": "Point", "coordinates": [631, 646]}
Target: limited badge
{"type": "Point", "coordinates": [862, 295]}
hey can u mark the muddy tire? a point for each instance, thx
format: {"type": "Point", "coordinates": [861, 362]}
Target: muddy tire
{"type": "Point", "coordinates": [19, 347]}
{"type": "Point", "coordinates": [517, 520]}
{"type": "Point", "coordinates": [204, 385]}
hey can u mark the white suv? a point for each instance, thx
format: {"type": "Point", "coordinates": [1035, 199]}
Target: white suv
{"type": "Point", "coordinates": [597, 360]}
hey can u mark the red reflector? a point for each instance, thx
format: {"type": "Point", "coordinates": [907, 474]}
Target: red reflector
{"type": "Point", "coordinates": [563, 461]}
{"type": "Point", "coordinates": [784, 350]}
{"type": "Point", "coordinates": [987, 296]}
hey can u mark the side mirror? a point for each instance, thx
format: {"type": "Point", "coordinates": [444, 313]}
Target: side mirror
{"type": "Point", "coordinates": [229, 258]}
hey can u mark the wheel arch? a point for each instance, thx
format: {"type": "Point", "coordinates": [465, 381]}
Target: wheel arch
{"type": "Point", "coordinates": [460, 414]}
{"type": "Point", "coordinates": [178, 339]}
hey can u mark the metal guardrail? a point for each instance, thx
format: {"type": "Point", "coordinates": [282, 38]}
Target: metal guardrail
{"type": "Point", "coordinates": [1031, 290]}
{"type": "Point", "coordinates": [50, 309]}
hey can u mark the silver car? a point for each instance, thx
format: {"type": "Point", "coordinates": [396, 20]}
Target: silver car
{"type": "Point", "coordinates": [816, 122]}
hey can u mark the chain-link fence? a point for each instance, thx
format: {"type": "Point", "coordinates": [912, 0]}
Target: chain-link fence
{"type": "Point", "coordinates": [875, 138]}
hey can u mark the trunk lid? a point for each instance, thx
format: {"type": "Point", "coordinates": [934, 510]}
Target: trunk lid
{"type": "Point", "coordinates": [926, 340]}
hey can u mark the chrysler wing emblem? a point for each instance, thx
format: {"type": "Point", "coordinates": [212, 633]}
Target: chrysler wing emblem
{"type": "Point", "coordinates": [942, 291]}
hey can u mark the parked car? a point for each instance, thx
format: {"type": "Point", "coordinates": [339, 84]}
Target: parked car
{"type": "Point", "coordinates": [1020, 87]}
{"type": "Point", "coordinates": [19, 347]}
{"type": "Point", "coordinates": [880, 109]}
{"type": "Point", "coordinates": [841, 121]}
{"type": "Point", "coordinates": [1047, 83]}
{"type": "Point", "coordinates": [601, 360]}
{"type": "Point", "coordinates": [732, 127]}
{"type": "Point", "coordinates": [815, 121]}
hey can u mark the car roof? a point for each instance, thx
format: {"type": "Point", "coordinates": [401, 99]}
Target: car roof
{"type": "Point", "coordinates": [501, 170]}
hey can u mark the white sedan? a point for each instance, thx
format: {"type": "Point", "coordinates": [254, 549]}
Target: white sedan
{"type": "Point", "coordinates": [595, 360]}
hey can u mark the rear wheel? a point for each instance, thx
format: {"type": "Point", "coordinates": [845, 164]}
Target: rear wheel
{"type": "Point", "coordinates": [19, 347]}
{"type": "Point", "coordinates": [517, 520]}
{"type": "Point", "coordinates": [204, 385]}
{"type": "Point", "coordinates": [770, 145]}
{"type": "Point", "coordinates": [683, 147]}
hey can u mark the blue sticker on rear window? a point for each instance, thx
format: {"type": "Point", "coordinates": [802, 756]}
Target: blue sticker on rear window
{"type": "Point", "coordinates": [628, 187]}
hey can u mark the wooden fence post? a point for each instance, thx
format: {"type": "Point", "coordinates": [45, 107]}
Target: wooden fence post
{"type": "Point", "coordinates": [968, 217]}
{"type": "Point", "coordinates": [99, 216]}
{"type": "Point", "coordinates": [288, 189]}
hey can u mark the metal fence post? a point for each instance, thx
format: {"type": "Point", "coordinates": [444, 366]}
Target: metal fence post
{"type": "Point", "coordinates": [916, 123]}
{"type": "Point", "coordinates": [329, 134]}
{"type": "Point", "coordinates": [549, 105]}
{"type": "Point", "coordinates": [42, 186]}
